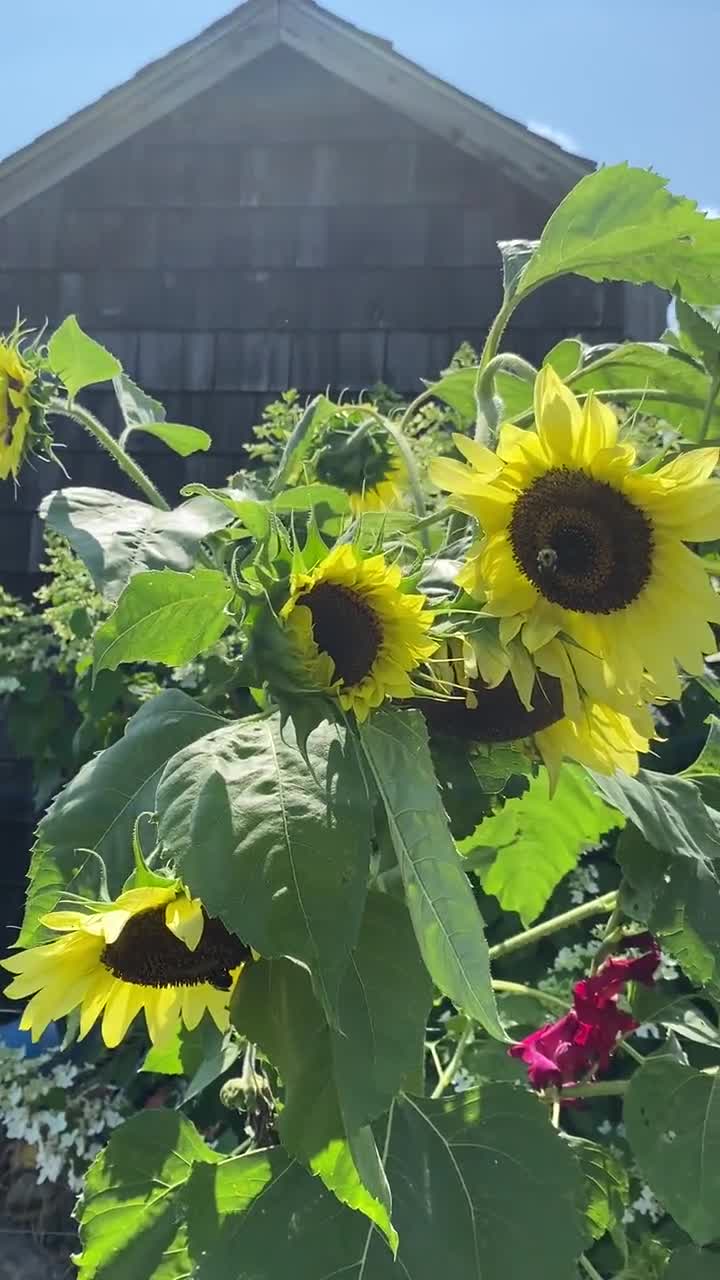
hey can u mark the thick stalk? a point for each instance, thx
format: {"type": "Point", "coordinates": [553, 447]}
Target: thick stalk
{"type": "Point", "coordinates": [596, 907]}
{"type": "Point", "coordinates": [519, 989]}
{"type": "Point", "coordinates": [486, 421]}
{"type": "Point", "coordinates": [497, 329]}
{"type": "Point", "coordinates": [108, 442]}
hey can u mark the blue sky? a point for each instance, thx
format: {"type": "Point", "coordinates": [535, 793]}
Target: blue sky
{"type": "Point", "coordinates": [618, 80]}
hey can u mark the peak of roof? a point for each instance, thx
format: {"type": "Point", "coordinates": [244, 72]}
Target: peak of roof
{"type": "Point", "coordinates": [253, 28]}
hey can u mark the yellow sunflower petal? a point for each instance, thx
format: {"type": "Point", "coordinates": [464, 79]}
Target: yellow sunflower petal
{"type": "Point", "coordinates": [184, 917]}
{"type": "Point", "coordinates": [124, 1002]}
{"type": "Point", "coordinates": [557, 416]}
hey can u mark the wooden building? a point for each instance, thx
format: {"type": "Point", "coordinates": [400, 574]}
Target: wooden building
{"type": "Point", "coordinates": [283, 201]}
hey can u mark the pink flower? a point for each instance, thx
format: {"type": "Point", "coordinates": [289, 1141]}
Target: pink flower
{"type": "Point", "coordinates": [582, 1042]}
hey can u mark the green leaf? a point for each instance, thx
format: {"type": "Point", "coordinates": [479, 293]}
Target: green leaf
{"type": "Point", "coordinates": [448, 924]}
{"type": "Point", "coordinates": [136, 406]}
{"type": "Point", "coordinates": [181, 439]}
{"type": "Point", "coordinates": [186, 1051]}
{"type": "Point", "coordinates": [565, 357]}
{"type": "Point", "coordinates": [539, 840]}
{"type": "Point", "coordinates": [639, 366]}
{"type": "Point", "coordinates": [678, 898]}
{"type": "Point", "coordinates": [306, 496]}
{"type": "Point", "coordinates": [668, 811]}
{"type": "Point", "coordinates": [274, 843]}
{"type": "Point", "coordinates": [274, 1007]}
{"type": "Point", "coordinates": [318, 412]}
{"type": "Point", "coordinates": [246, 507]}
{"type": "Point", "coordinates": [78, 360]}
{"type": "Point", "coordinates": [693, 1264]}
{"type": "Point", "coordinates": [483, 1189]}
{"type": "Point", "coordinates": [131, 1213]}
{"type": "Point", "coordinates": [515, 256]}
{"type": "Point", "coordinates": [672, 1116]}
{"type": "Point", "coordinates": [701, 325]}
{"type": "Point", "coordinates": [607, 1189]}
{"type": "Point", "coordinates": [117, 537]}
{"type": "Point", "coordinates": [458, 390]}
{"type": "Point", "coordinates": [98, 809]}
{"type": "Point", "coordinates": [622, 223]}
{"type": "Point", "coordinates": [164, 617]}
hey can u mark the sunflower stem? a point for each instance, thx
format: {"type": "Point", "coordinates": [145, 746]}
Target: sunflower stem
{"type": "Point", "coordinates": [448, 1075]}
{"type": "Point", "coordinates": [710, 404]}
{"type": "Point", "coordinates": [486, 423]}
{"type": "Point", "coordinates": [78, 413]}
{"type": "Point", "coordinates": [519, 989]}
{"type": "Point", "coordinates": [596, 907]}
{"type": "Point", "coordinates": [497, 329]}
{"type": "Point", "coordinates": [588, 1268]}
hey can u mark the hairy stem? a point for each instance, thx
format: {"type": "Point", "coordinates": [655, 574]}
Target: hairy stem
{"type": "Point", "coordinates": [710, 404]}
{"type": "Point", "coordinates": [596, 907]}
{"type": "Point", "coordinates": [519, 989]}
{"type": "Point", "coordinates": [486, 422]}
{"type": "Point", "coordinates": [108, 442]}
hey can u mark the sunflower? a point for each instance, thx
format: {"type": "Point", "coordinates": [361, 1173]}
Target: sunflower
{"type": "Point", "coordinates": [366, 465]}
{"type": "Point", "coordinates": [583, 546]}
{"type": "Point", "coordinates": [602, 739]}
{"type": "Point", "coordinates": [15, 409]}
{"type": "Point", "coordinates": [358, 633]}
{"type": "Point", "coordinates": [152, 948]}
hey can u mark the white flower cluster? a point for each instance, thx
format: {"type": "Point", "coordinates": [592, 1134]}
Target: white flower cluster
{"type": "Point", "coordinates": [66, 1133]}
{"type": "Point", "coordinates": [584, 882]}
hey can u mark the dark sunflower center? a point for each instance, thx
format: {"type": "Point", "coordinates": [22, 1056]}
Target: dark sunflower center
{"type": "Point", "coordinates": [147, 954]}
{"type": "Point", "coordinates": [499, 715]}
{"type": "Point", "coordinates": [582, 543]}
{"type": "Point", "coordinates": [345, 627]}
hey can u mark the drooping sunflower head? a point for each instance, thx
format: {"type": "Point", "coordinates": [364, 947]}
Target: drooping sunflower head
{"type": "Point", "coordinates": [16, 408]}
{"type": "Point", "coordinates": [154, 949]}
{"type": "Point", "coordinates": [577, 540]}
{"type": "Point", "coordinates": [360, 635]}
{"type": "Point", "coordinates": [602, 739]}
{"type": "Point", "coordinates": [365, 465]}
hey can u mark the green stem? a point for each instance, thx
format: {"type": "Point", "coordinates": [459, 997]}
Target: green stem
{"type": "Point", "coordinates": [108, 442]}
{"type": "Point", "coordinates": [486, 422]}
{"type": "Point", "coordinates": [411, 467]}
{"type": "Point", "coordinates": [451, 1069]}
{"type": "Point", "coordinates": [518, 989]}
{"type": "Point", "coordinates": [588, 1268]}
{"type": "Point", "coordinates": [497, 329]}
{"type": "Point", "coordinates": [597, 1089]}
{"type": "Point", "coordinates": [413, 407]}
{"type": "Point", "coordinates": [596, 907]}
{"type": "Point", "coordinates": [709, 405]}
{"type": "Point", "coordinates": [631, 1052]}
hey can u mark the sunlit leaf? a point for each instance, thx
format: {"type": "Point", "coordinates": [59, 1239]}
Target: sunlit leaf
{"type": "Point", "coordinates": [78, 360]}
{"type": "Point", "coordinates": [622, 223]}
{"type": "Point", "coordinates": [181, 439]}
{"type": "Point", "coordinates": [683, 384]}
{"type": "Point", "coordinates": [164, 617]}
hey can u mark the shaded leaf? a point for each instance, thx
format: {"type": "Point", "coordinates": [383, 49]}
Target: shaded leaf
{"type": "Point", "coordinates": [672, 1116]}
{"type": "Point", "coordinates": [77, 359]}
{"type": "Point", "coordinates": [136, 406]}
{"type": "Point", "coordinates": [701, 325]}
{"type": "Point", "coordinates": [668, 811]}
{"type": "Point", "coordinates": [164, 617]}
{"type": "Point", "coordinates": [538, 840]}
{"type": "Point", "coordinates": [245, 506]}
{"type": "Point", "coordinates": [565, 357]}
{"type": "Point", "coordinates": [98, 809]}
{"type": "Point", "coordinates": [275, 844]}
{"type": "Point", "coordinates": [117, 537]}
{"type": "Point", "coordinates": [639, 366]}
{"type": "Point", "coordinates": [447, 922]}
{"type": "Point", "coordinates": [181, 439]}
{"type": "Point", "coordinates": [622, 223]}
{"type": "Point", "coordinates": [693, 1264]}
{"type": "Point", "coordinates": [607, 1188]}
{"type": "Point", "coordinates": [483, 1189]}
{"type": "Point", "coordinates": [131, 1212]}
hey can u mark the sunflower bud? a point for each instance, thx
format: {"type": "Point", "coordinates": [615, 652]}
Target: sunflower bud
{"type": "Point", "coordinates": [22, 413]}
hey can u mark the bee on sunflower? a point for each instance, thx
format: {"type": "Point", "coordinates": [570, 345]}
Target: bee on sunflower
{"type": "Point", "coordinates": [154, 949]}
{"type": "Point", "coordinates": [358, 634]}
{"type": "Point", "coordinates": [584, 549]}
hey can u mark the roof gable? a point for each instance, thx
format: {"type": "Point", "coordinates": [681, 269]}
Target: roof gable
{"type": "Point", "coordinates": [255, 27]}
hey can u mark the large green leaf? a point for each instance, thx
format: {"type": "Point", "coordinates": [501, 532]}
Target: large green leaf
{"type": "Point", "coordinates": [117, 537]}
{"type": "Point", "coordinates": [275, 1008]}
{"type": "Point", "coordinates": [693, 1264]}
{"type": "Point", "coordinates": [538, 840]}
{"type": "Point", "coordinates": [672, 1116]}
{"type": "Point", "coordinates": [132, 1210]}
{"type": "Point", "coordinates": [457, 389]}
{"type": "Point", "coordinates": [668, 811]}
{"type": "Point", "coordinates": [136, 406]}
{"type": "Point", "coordinates": [276, 843]}
{"type": "Point", "coordinates": [98, 809]}
{"type": "Point", "coordinates": [164, 617]}
{"type": "Point", "coordinates": [642, 366]}
{"type": "Point", "coordinates": [622, 223]}
{"type": "Point", "coordinates": [678, 898]}
{"type": "Point", "coordinates": [446, 918]}
{"type": "Point", "coordinates": [483, 1189]}
{"type": "Point", "coordinates": [700, 326]}
{"type": "Point", "coordinates": [78, 360]}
